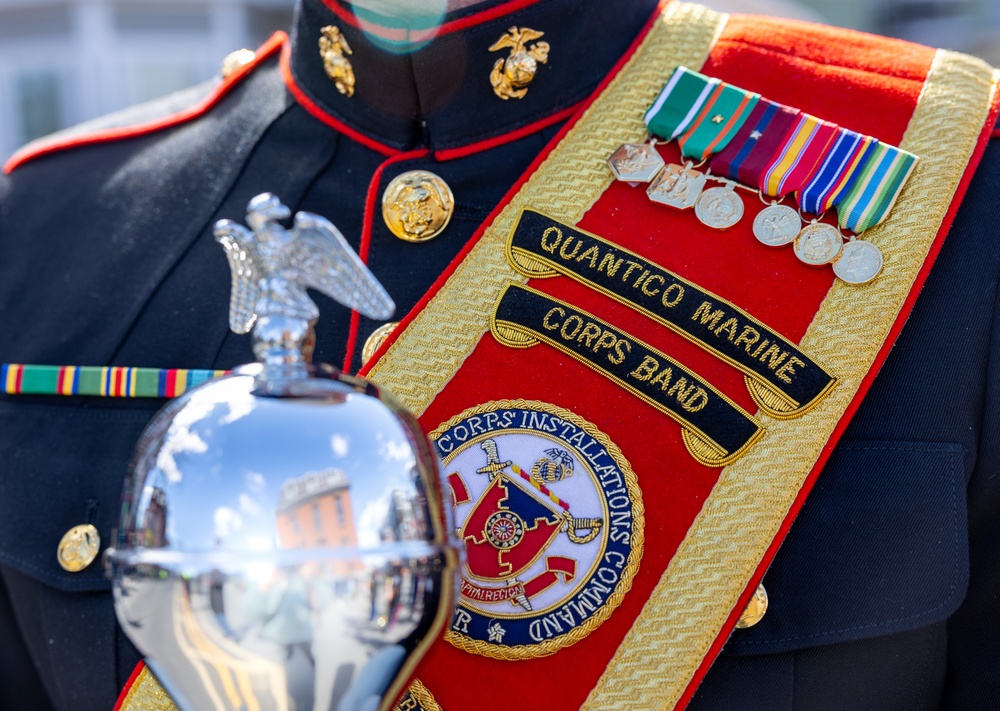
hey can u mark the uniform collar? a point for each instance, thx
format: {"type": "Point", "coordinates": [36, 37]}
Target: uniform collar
{"type": "Point", "coordinates": [423, 82]}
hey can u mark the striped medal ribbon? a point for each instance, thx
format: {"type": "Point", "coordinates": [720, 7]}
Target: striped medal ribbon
{"type": "Point", "coordinates": [791, 167]}
{"type": "Point", "coordinates": [673, 111]}
{"type": "Point", "coordinates": [680, 101]}
{"type": "Point", "coordinates": [751, 150]}
{"type": "Point", "coordinates": [101, 381]}
{"type": "Point", "coordinates": [865, 203]}
{"type": "Point", "coordinates": [724, 113]}
{"type": "Point", "coordinates": [873, 193]}
{"type": "Point", "coordinates": [746, 159]}
{"type": "Point", "coordinates": [837, 174]}
{"type": "Point", "coordinates": [777, 150]}
{"type": "Point", "coordinates": [720, 118]}
{"type": "Point", "coordinates": [797, 158]}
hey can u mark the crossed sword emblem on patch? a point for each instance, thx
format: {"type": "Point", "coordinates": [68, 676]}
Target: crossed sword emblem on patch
{"type": "Point", "coordinates": [509, 528]}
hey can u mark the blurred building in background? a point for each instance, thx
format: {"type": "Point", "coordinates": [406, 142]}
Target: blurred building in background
{"type": "Point", "coordinates": [66, 61]}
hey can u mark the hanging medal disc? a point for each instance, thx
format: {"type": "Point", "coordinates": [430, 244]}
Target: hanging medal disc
{"type": "Point", "coordinates": [859, 262]}
{"type": "Point", "coordinates": [776, 225]}
{"type": "Point", "coordinates": [719, 208]}
{"type": "Point", "coordinates": [818, 244]}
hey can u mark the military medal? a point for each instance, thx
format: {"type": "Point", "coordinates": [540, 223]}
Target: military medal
{"type": "Point", "coordinates": [704, 114]}
{"type": "Point", "coordinates": [719, 208]}
{"type": "Point", "coordinates": [878, 180]}
{"type": "Point", "coordinates": [818, 243]}
{"type": "Point", "coordinates": [859, 262]}
{"type": "Point", "coordinates": [636, 162]}
{"type": "Point", "coordinates": [677, 186]}
{"type": "Point", "coordinates": [776, 225]}
{"type": "Point", "coordinates": [776, 150]}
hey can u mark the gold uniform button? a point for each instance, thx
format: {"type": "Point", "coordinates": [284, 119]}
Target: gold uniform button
{"type": "Point", "coordinates": [235, 60]}
{"type": "Point", "coordinates": [417, 205]}
{"type": "Point", "coordinates": [374, 341]}
{"type": "Point", "coordinates": [755, 609]}
{"type": "Point", "coordinates": [78, 548]}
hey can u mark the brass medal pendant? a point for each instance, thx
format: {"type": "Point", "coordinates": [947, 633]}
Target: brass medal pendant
{"type": "Point", "coordinates": [776, 225]}
{"type": "Point", "coordinates": [859, 262]}
{"type": "Point", "coordinates": [635, 162]}
{"type": "Point", "coordinates": [719, 208]}
{"type": "Point", "coordinates": [677, 186]}
{"type": "Point", "coordinates": [818, 243]}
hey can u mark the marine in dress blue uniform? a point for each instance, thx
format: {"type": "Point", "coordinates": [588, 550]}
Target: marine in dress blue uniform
{"type": "Point", "coordinates": [882, 595]}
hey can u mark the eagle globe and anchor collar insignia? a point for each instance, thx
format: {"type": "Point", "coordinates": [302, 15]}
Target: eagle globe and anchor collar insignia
{"type": "Point", "coordinates": [551, 517]}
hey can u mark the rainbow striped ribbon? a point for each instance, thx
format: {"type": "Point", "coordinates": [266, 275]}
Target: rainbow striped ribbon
{"type": "Point", "coordinates": [849, 154]}
{"type": "Point", "coordinates": [98, 381]}
{"type": "Point", "coordinates": [795, 162]}
{"type": "Point", "coordinates": [679, 102]}
{"type": "Point", "coordinates": [779, 149]}
{"type": "Point", "coordinates": [876, 188]}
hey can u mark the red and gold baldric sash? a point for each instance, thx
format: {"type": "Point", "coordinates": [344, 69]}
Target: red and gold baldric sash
{"type": "Point", "coordinates": [631, 407]}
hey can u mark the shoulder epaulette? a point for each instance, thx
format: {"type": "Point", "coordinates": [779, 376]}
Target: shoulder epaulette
{"type": "Point", "coordinates": [131, 123]}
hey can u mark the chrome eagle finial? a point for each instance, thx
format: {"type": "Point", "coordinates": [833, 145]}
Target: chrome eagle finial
{"type": "Point", "coordinates": [282, 525]}
{"type": "Point", "coordinates": [272, 267]}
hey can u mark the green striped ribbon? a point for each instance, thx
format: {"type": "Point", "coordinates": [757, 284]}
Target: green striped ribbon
{"type": "Point", "coordinates": [100, 381]}
{"type": "Point", "coordinates": [722, 115]}
{"type": "Point", "coordinates": [679, 102]}
{"type": "Point", "coordinates": [875, 191]}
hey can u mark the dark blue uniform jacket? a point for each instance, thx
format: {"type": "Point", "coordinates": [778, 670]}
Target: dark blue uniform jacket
{"type": "Point", "coordinates": [884, 596]}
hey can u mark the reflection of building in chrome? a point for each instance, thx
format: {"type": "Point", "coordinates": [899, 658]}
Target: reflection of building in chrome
{"type": "Point", "coordinates": [315, 511]}
{"type": "Point", "coordinates": [156, 520]}
{"type": "Point", "coordinates": [402, 523]}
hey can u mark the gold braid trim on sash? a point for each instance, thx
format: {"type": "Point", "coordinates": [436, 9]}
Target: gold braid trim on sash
{"type": "Point", "coordinates": [424, 357]}
{"type": "Point", "coordinates": [673, 633]}
{"type": "Point", "coordinates": [146, 694]}
{"type": "Point", "coordinates": [420, 699]}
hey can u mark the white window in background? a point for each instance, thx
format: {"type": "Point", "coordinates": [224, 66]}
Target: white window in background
{"type": "Point", "coordinates": [39, 102]}
{"type": "Point", "coordinates": [163, 47]}
{"type": "Point", "coordinates": [151, 81]}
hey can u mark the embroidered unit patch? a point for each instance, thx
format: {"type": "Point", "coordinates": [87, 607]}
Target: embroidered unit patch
{"type": "Point", "coordinates": [552, 521]}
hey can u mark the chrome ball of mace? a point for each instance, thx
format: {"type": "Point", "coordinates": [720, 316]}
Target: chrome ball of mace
{"type": "Point", "coordinates": [282, 544]}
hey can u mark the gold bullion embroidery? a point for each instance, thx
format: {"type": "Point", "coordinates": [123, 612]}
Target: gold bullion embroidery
{"type": "Point", "coordinates": [417, 698]}
{"type": "Point", "coordinates": [523, 419]}
{"type": "Point", "coordinates": [146, 694]}
{"type": "Point", "coordinates": [753, 495]}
